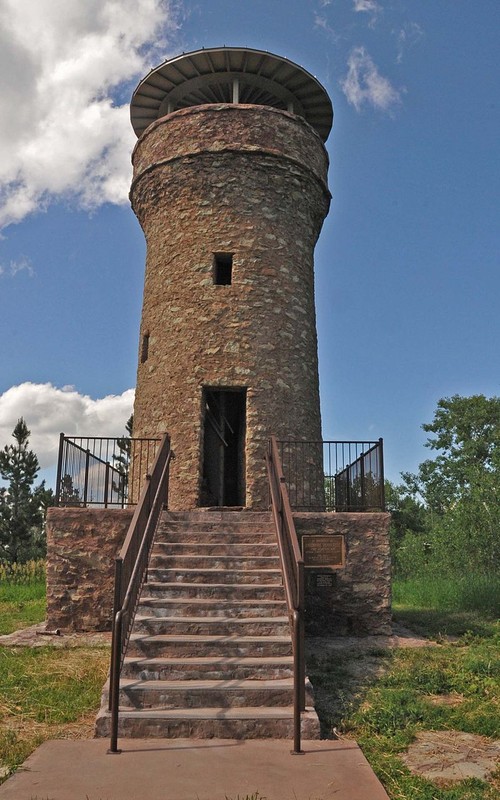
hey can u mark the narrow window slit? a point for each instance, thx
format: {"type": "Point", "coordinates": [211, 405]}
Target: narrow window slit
{"type": "Point", "coordinates": [223, 269]}
{"type": "Point", "coordinates": [145, 348]}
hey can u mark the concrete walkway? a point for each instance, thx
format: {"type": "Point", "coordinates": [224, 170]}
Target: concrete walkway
{"type": "Point", "coordinates": [188, 769]}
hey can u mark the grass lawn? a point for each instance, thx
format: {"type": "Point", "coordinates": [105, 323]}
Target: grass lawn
{"type": "Point", "coordinates": [448, 606]}
{"type": "Point", "coordinates": [384, 698]}
{"type": "Point", "coordinates": [21, 605]}
{"type": "Point", "coordinates": [22, 595]}
{"type": "Point", "coordinates": [45, 692]}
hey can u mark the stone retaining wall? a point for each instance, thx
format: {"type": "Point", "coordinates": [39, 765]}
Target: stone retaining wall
{"type": "Point", "coordinates": [81, 547]}
{"type": "Point", "coordinates": [358, 601]}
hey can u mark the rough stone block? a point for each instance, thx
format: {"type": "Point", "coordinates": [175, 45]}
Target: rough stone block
{"type": "Point", "coordinates": [81, 547]}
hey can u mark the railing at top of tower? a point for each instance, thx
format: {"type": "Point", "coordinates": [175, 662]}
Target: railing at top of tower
{"type": "Point", "coordinates": [130, 570]}
{"type": "Point", "coordinates": [102, 471]}
{"type": "Point", "coordinates": [334, 476]}
{"type": "Point", "coordinates": [293, 577]}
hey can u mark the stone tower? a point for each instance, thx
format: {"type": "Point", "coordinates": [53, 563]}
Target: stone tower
{"type": "Point", "coordinates": [230, 188]}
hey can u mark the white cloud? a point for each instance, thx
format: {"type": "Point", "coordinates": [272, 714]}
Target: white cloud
{"type": "Point", "coordinates": [48, 411]}
{"type": "Point", "coordinates": [363, 83]}
{"type": "Point", "coordinates": [61, 133]}
{"type": "Point", "coordinates": [15, 267]}
{"type": "Point", "coordinates": [408, 36]}
{"type": "Point", "coordinates": [370, 7]}
{"type": "Point", "coordinates": [320, 21]}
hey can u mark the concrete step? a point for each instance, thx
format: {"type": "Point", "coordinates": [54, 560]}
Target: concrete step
{"type": "Point", "coordinates": [205, 693]}
{"type": "Point", "coordinates": [206, 607]}
{"type": "Point", "coordinates": [215, 591]}
{"type": "Point", "coordinates": [219, 516]}
{"type": "Point", "coordinates": [192, 646]}
{"type": "Point", "coordinates": [215, 536]}
{"type": "Point", "coordinates": [210, 654]}
{"type": "Point", "coordinates": [205, 723]}
{"type": "Point", "coordinates": [236, 526]}
{"type": "Point", "coordinates": [209, 668]}
{"type": "Point", "coordinates": [224, 562]}
{"type": "Point", "coordinates": [206, 523]}
{"type": "Point", "coordinates": [217, 576]}
{"type": "Point", "coordinates": [211, 626]}
{"type": "Point", "coordinates": [216, 549]}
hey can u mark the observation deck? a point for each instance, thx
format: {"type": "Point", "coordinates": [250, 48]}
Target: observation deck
{"type": "Point", "coordinates": [230, 75]}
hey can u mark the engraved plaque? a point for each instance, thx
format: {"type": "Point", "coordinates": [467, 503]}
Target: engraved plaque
{"type": "Point", "coordinates": [323, 551]}
{"type": "Point", "coordinates": [324, 581]}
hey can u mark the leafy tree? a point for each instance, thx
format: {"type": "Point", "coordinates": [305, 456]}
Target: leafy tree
{"type": "Point", "coordinates": [467, 435]}
{"type": "Point", "coordinates": [22, 507]}
{"type": "Point", "coordinates": [408, 515]}
{"type": "Point", "coordinates": [460, 487]}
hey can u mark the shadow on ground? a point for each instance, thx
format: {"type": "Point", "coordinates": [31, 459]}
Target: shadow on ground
{"type": "Point", "coordinates": [442, 624]}
{"type": "Point", "coordinates": [340, 675]}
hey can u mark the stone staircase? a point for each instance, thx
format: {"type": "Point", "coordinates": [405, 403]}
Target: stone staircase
{"type": "Point", "coordinates": [210, 654]}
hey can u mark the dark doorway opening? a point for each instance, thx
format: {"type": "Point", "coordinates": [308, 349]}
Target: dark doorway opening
{"type": "Point", "coordinates": [223, 481]}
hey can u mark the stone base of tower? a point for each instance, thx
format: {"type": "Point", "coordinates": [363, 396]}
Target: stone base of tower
{"type": "Point", "coordinates": [355, 599]}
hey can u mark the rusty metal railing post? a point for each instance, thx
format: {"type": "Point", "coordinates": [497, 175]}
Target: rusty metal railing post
{"type": "Point", "coordinates": [114, 682]}
{"type": "Point", "coordinates": [297, 672]}
{"type": "Point", "coordinates": [292, 566]}
{"type": "Point", "coordinates": [301, 633]}
{"type": "Point", "coordinates": [59, 468]}
{"type": "Point", "coordinates": [130, 573]}
{"type": "Point", "coordinates": [363, 487]}
{"type": "Point", "coordinates": [381, 473]}
{"type": "Point", "coordinates": [86, 484]}
{"type": "Point", "coordinates": [116, 647]}
{"type": "Point", "coordinates": [106, 483]}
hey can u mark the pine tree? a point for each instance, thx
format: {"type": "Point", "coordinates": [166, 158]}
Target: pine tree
{"type": "Point", "coordinates": [122, 460]}
{"type": "Point", "coordinates": [22, 507]}
{"type": "Point", "coordinates": [68, 494]}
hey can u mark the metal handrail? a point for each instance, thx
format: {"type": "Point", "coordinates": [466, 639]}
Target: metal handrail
{"type": "Point", "coordinates": [360, 490]}
{"type": "Point", "coordinates": [334, 475]}
{"type": "Point", "coordinates": [292, 565]}
{"type": "Point", "coordinates": [101, 470]}
{"type": "Point", "coordinates": [130, 572]}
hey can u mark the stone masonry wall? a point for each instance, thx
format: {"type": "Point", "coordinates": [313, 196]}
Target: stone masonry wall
{"type": "Point", "coordinates": [81, 547]}
{"type": "Point", "coordinates": [359, 600]}
{"type": "Point", "coordinates": [246, 180]}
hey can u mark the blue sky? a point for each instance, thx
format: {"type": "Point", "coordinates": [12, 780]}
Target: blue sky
{"type": "Point", "coordinates": [407, 266]}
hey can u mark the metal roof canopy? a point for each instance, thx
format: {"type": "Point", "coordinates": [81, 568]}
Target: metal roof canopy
{"type": "Point", "coordinates": [230, 75]}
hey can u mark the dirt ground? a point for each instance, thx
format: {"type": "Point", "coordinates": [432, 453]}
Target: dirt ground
{"type": "Point", "coordinates": [39, 636]}
{"type": "Point", "coordinates": [451, 756]}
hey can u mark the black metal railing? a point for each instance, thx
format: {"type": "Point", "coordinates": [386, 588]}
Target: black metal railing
{"type": "Point", "coordinates": [102, 471]}
{"type": "Point", "coordinates": [334, 476]}
{"type": "Point", "coordinates": [130, 571]}
{"type": "Point", "coordinates": [292, 565]}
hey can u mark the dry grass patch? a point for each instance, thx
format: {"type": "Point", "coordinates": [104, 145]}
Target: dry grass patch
{"type": "Point", "coordinates": [47, 693]}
